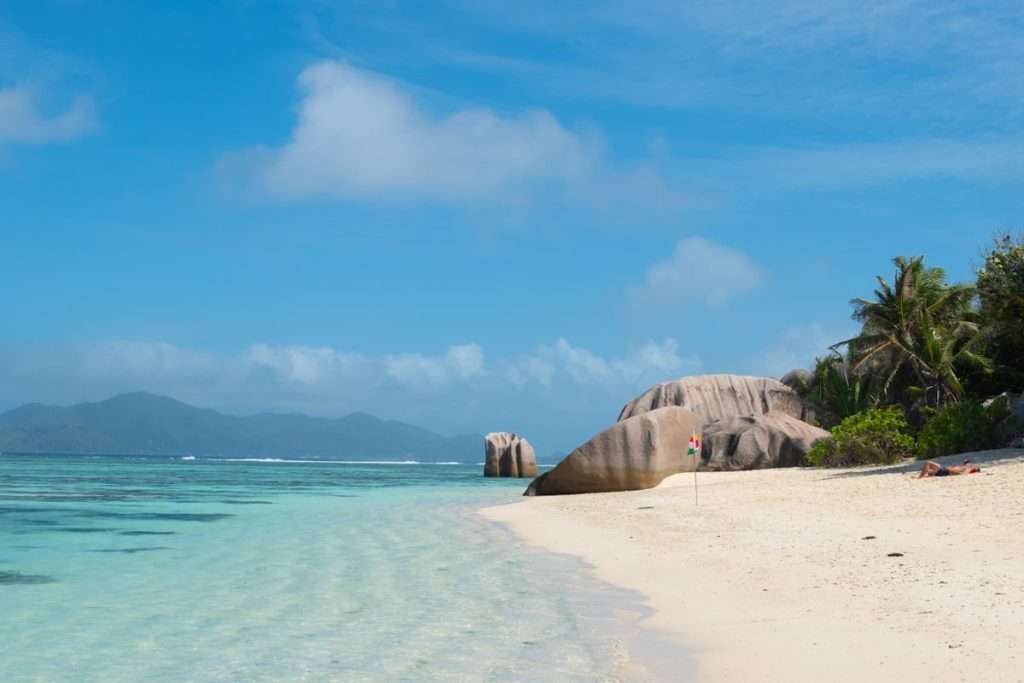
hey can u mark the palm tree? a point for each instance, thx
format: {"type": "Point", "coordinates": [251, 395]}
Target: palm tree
{"type": "Point", "coordinates": [917, 333]}
{"type": "Point", "coordinates": [837, 392]}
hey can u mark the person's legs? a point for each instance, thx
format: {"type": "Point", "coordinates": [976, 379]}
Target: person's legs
{"type": "Point", "coordinates": [930, 469]}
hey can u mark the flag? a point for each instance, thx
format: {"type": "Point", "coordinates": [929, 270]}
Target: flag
{"type": "Point", "coordinates": [693, 449]}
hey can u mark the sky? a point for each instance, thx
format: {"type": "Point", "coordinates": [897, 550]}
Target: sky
{"type": "Point", "coordinates": [480, 216]}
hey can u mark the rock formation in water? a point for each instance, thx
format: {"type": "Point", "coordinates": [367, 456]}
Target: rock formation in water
{"type": "Point", "coordinates": [720, 396]}
{"type": "Point", "coordinates": [508, 455]}
{"type": "Point", "coordinates": [636, 453]}
{"type": "Point", "coordinates": [758, 441]}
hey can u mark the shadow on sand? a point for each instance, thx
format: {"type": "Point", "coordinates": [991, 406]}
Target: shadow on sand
{"type": "Point", "coordinates": [980, 458]}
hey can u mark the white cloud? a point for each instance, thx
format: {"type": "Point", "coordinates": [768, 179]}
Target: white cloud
{"type": "Point", "coordinates": [549, 364]}
{"type": "Point", "coordinates": [22, 118]}
{"type": "Point", "coordinates": [459, 363]}
{"type": "Point", "coordinates": [362, 135]}
{"type": "Point", "coordinates": [559, 393]}
{"type": "Point", "coordinates": [317, 367]}
{"type": "Point", "coordinates": [923, 58]}
{"type": "Point", "coordinates": [302, 364]}
{"type": "Point", "coordinates": [698, 270]}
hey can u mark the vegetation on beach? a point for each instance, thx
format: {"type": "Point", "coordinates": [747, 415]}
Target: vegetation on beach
{"type": "Point", "coordinates": [928, 354]}
{"type": "Point", "coordinates": [876, 435]}
{"type": "Point", "coordinates": [960, 427]}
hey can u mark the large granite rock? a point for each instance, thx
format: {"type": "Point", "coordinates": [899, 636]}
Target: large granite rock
{"type": "Point", "coordinates": [508, 455]}
{"type": "Point", "coordinates": [757, 441]}
{"type": "Point", "coordinates": [716, 397]}
{"type": "Point", "coordinates": [636, 453]}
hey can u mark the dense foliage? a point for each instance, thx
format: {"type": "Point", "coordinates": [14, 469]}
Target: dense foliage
{"type": "Point", "coordinates": [961, 427]}
{"type": "Point", "coordinates": [837, 392]}
{"type": "Point", "coordinates": [1000, 286]}
{"type": "Point", "coordinates": [878, 436]}
{"type": "Point", "coordinates": [927, 355]}
{"type": "Point", "coordinates": [918, 335]}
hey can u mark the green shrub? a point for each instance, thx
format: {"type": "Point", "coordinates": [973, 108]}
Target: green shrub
{"type": "Point", "coordinates": [961, 427]}
{"type": "Point", "coordinates": [872, 437]}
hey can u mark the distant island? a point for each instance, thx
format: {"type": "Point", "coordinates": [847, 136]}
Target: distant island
{"type": "Point", "coordinates": [147, 424]}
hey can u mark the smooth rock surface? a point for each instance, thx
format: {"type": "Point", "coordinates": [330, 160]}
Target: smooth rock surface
{"type": "Point", "coordinates": [716, 397]}
{"type": "Point", "coordinates": [636, 453]}
{"type": "Point", "coordinates": [508, 455]}
{"type": "Point", "coordinates": [758, 441]}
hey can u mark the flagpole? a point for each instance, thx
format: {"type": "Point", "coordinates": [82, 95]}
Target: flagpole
{"type": "Point", "coordinates": [693, 451]}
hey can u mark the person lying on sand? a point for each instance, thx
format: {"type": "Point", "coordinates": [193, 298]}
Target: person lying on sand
{"type": "Point", "coordinates": [934, 469]}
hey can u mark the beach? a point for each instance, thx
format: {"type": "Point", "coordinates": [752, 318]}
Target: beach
{"type": "Point", "coordinates": [814, 575]}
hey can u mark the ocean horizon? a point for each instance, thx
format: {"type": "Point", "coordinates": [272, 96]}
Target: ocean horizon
{"type": "Point", "coordinates": [171, 568]}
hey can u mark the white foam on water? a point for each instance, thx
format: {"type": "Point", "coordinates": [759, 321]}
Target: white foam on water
{"type": "Point", "coordinates": [335, 462]}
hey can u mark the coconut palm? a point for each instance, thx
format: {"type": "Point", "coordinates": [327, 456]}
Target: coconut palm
{"type": "Point", "coordinates": [837, 392]}
{"type": "Point", "coordinates": [917, 334]}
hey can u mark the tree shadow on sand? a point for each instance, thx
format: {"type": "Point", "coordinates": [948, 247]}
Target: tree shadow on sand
{"type": "Point", "coordinates": [979, 458]}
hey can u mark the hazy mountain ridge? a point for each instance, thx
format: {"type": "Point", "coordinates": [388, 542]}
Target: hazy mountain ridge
{"type": "Point", "coordinates": [140, 423]}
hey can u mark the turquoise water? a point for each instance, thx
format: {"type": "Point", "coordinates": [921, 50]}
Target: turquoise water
{"type": "Point", "coordinates": [163, 569]}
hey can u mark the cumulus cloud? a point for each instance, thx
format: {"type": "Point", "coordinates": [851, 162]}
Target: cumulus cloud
{"type": "Point", "coordinates": [321, 366]}
{"type": "Point", "coordinates": [559, 392]}
{"type": "Point", "coordinates": [360, 134]}
{"type": "Point", "coordinates": [302, 364]}
{"type": "Point", "coordinates": [24, 120]}
{"type": "Point", "coordinates": [699, 270]}
{"type": "Point", "coordinates": [317, 370]}
{"type": "Point", "coordinates": [459, 363]}
{"type": "Point", "coordinates": [563, 361]}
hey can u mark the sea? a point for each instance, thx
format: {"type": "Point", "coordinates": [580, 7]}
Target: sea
{"type": "Point", "coordinates": [131, 568]}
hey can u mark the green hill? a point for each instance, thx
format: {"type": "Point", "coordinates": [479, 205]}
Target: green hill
{"type": "Point", "coordinates": [141, 423]}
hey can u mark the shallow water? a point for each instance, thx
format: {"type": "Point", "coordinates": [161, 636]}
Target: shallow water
{"type": "Point", "coordinates": [160, 569]}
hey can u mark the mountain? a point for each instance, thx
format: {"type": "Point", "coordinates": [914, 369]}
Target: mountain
{"type": "Point", "coordinates": [141, 423]}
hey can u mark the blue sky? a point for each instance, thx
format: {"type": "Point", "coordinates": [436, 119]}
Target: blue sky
{"type": "Point", "coordinates": [475, 216]}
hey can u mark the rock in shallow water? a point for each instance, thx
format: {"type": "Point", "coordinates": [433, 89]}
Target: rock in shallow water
{"type": "Point", "coordinates": [636, 453]}
{"type": "Point", "coordinates": [508, 455]}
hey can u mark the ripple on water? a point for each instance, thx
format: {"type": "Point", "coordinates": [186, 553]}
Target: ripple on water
{"type": "Point", "coordinates": [157, 516]}
{"type": "Point", "coordinates": [14, 578]}
{"type": "Point", "coordinates": [131, 551]}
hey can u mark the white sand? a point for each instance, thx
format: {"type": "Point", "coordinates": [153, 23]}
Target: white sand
{"type": "Point", "coordinates": [768, 578]}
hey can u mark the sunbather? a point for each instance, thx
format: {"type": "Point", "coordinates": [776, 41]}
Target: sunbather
{"type": "Point", "coordinates": [934, 469]}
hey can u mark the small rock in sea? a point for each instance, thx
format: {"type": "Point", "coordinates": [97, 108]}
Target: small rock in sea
{"type": "Point", "coordinates": [868, 538]}
{"type": "Point", "coordinates": [508, 455]}
{"type": "Point", "coordinates": [895, 555]}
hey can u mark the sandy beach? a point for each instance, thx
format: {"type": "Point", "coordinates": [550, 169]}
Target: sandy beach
{"type": "Point", "coordinates": [815, 575]}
